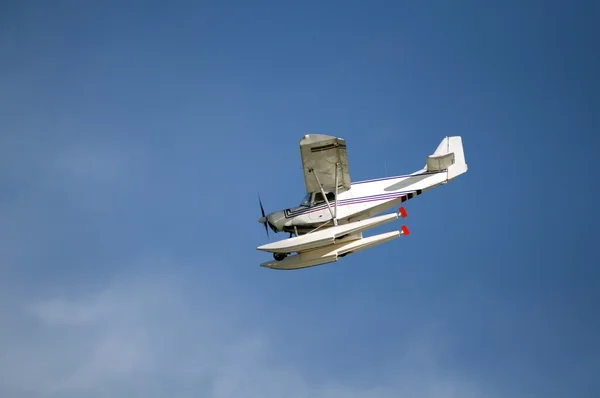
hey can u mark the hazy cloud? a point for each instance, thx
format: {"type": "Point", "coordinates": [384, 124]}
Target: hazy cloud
{"type": "Point", "coordinates": [153, 335]}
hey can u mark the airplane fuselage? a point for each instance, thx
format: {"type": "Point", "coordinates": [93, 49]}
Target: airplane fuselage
{"type": "Point", "coordinates": [363, 200]}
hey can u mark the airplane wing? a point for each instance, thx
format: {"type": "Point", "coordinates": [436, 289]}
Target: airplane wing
{"type": "Point", "coordinates": [321, 153]}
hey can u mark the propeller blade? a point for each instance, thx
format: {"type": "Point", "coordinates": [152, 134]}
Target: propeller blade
{"type": "Point", "coordinates": [263, 219]}
{"type": "Point", "coordinates": [262, 210]}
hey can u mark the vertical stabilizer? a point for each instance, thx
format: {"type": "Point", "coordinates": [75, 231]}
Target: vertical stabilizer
{"type": "Point", "coordinates": [460, 165]}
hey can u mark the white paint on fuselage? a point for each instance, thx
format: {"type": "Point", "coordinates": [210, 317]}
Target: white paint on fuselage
{"type": "Point", "coordinates": [368, 196]}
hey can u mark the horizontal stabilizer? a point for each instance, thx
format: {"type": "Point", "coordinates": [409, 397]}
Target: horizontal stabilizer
{"type": "Point", "coordinates": [448, 156]}
{"type": "Point", "coordinates": [440, 162]}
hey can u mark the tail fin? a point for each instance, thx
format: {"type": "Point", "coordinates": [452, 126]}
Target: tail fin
{"type": "Point", "coordinates": [448, 156]}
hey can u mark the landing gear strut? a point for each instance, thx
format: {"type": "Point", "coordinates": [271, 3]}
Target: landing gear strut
{"type": "Point", "coordinates": [279, 256]}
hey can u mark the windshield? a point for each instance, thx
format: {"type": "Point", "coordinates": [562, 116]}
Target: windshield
{"type": "Point", "coordinates": [306, 201]}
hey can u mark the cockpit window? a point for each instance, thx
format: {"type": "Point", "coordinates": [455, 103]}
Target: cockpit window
{"type": "Point", "coordinates": [306, 201]}
{"type": "Point", "coordinates": [319, 197]}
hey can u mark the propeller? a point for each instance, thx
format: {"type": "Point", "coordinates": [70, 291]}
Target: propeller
{"type": "Point", "coordinates": [263, 219]}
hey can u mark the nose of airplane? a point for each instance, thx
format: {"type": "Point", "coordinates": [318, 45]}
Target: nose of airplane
{"type": "Point", "coordinates": [276, 220]}
{"type": "Point", "coordinates": [262, 220]}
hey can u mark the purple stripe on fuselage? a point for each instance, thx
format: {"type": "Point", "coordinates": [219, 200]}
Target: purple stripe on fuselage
{"type": "Point", "coordinates": [353, 201]}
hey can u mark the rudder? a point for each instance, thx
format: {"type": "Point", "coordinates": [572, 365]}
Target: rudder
{"type": "Point", "coordinates": [460, 165]}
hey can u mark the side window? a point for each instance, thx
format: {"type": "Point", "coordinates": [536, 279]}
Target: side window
{"type": "Point", "coordinates": [319, 198]}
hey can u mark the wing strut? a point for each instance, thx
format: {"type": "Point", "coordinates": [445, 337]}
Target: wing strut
{"type": "Point", "coordinates": [325, 196]}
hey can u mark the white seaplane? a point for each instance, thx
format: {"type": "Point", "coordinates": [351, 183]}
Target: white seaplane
{"type": "Point", "coordinates": [335, 212]}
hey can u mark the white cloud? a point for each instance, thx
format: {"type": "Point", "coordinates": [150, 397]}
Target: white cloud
{"type": "Point", "coordinates": [150, 335]}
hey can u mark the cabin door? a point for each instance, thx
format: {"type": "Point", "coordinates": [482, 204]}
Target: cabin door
{"type": "Point", "coordinates": [319, 202]}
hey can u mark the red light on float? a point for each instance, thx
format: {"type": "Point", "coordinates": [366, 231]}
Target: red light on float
{"type": "Point", "coordinates": [403, 212]}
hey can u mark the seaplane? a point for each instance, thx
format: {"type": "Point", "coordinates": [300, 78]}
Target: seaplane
{"type": "Point", "coordinates": [330, 220]}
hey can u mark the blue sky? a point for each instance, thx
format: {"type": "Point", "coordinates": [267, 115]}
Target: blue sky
{"type": "Point", "coordinates": [135, 138]}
